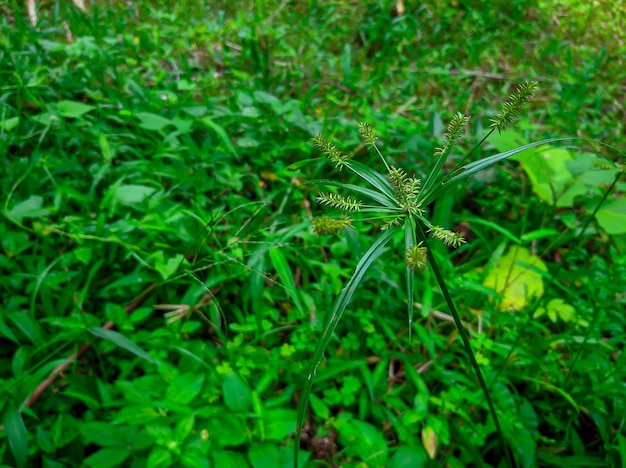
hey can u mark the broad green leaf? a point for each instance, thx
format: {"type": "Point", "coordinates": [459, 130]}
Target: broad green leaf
{"type": "Point", "coordinates": [133, 194]}
{"type": "Point", "coordinates": [286, 276]}
{"type": "Point", "coordinates": [159, 457]}
{"type": "Point", "coordinates": [108, 457]}
{"type": "Point", "coordinates": [556, 308]}
{"type": "Point", "coordinates": [150, 121]}
{"type": "Point", "coordinates": [221, 133]}
{"type": "Point", "coordinates": [334, 317]}
{"type": "Point", "coordinates": [228, 459]}
{"type": "Point", "coordinates": [17, 435]}
{"type": "Point", "coordinates": [516, 279]}
{"type": "Point", "coordinates": [185, 387]}
{"type": "Point", "coordinates": [136, 415]}
{"type": "Point", "coordinates": [193, 457]}
{"type": "Point", "coordinates": [612, 216]}
{"type": "Point", "coordinates": [29, 208]}
{"type": "Point", "coordinates": [102, 433]}
{"type": "Point", "coordinates": [237, 395]}
{"type": "Point", "coordinates": [121, 341]}
{"type": "Point", "coordinates": [264, 455]}
{"type": "Point", "coordinates": [362, 439]}
{"type": "Point", "coordinates": [73, 109]}
{"type": "Point", "coordinates": [9, 124]}
{"type": "Point", "coordinates": [227, 431]}
{"type": "Point", "coordinates": [279, 423]}
{"type": "Point", "coordinates": [408, 457]}
{"type": "Point", "coordinates": [167, 267]}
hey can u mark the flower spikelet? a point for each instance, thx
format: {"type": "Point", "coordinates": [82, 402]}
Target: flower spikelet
{"type": "Point", "coordinates": [406, 189]}
{"type": "Point", "coordinates": [450, 238]}
{"type": "Point", "coordinates": [339, 201]}
{"type": "Point", "coordinates": [610, 165]}
{"type": "Point", "coordinates": [511, 108]}
{"type": "Point", "coordinates": [331, 151]}
{"type": "Point", "coordinates": [395, 221]}
{"type": "Point", "coordinates": [328, 225]}
{"type": "Point", "coordinates": [455, 128]}
{"type": "Point", "coordinates": [367, 135]}
{"type": "Point", "coordinates": [416, 257]}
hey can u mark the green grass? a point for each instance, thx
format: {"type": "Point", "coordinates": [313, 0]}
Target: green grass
{"type": "Point", "coordinates": [154, 207]}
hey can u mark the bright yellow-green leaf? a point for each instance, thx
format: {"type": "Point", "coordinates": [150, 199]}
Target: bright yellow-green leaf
{"type": "Point", "coordinates": [516, 279]}
{"type": "Point", "coordinates": [556, 308]}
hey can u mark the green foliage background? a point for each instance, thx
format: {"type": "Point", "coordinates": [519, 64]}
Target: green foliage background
{"type": "Point", "coordinates": [148, 181]}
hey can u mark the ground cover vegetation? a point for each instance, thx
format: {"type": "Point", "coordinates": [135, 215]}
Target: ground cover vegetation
{"type": "Point", "coordinates": [172, 261]}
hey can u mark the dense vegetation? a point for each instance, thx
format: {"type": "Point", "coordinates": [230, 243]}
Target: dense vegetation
{"type": "Point", "coordinates": [164, 289]}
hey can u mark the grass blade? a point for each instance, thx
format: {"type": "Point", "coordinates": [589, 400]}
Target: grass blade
{"type": "Point", "coordinates": [18, 437]}
{"type": "Point", "coordinates": [338, 309]}
{"type": "Point", "coordinates": [375, 178]}
{"type": "Point", "coordinates": [286, 277]}
{"type": "Point", "coordinates": [373, 195]}
{"type": "Point", "coordinates": [121, 341]}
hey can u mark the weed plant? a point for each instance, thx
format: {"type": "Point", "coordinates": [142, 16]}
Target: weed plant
{"type": "Point", "coordinates": [399, 202]}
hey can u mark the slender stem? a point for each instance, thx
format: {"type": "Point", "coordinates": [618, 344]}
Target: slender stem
{"type": "Point", "coordinates": [466, 343]}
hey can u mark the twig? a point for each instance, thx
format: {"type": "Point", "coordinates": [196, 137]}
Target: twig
{"type": "Point", "coordinates": [85, 346]}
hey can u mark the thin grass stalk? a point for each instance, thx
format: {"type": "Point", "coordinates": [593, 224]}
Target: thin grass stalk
{"type": "Point", "coordinates": [409, 241]}
{"type": "Point", "coordinates": [466, 343]}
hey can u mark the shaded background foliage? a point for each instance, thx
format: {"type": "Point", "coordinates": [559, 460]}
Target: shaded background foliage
{"type": "Point", "coordinates": [146, 153]}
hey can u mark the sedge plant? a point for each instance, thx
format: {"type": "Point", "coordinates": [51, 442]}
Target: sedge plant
{"type": "Point", "coordinates": [400, 201]}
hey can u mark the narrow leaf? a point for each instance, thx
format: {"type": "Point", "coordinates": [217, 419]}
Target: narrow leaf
{"type": "Point", "coordinates": [339, 308]}
{"type": "Point", "coordinates": [286, 276]}
{"type": "Point", "coordinates": [376, 179]}
{"type": "Point", "coordinates": [121, 341]}
{"type": "Point", "coordinates": [373, 195]}
{"type": "Point", "coordinates": [17, 434]}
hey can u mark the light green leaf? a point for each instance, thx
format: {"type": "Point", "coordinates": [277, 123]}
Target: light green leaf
{"type": "Point", "coordinates": [133, 194]}
{"type": "Point", "coordinates": [17, 435]}
{"type": "Point", "coordinates": [264, 455]}
{"type": "Point", "coordinates": [286, 276]}
{"type": "Point", "coordinates": [516, 279]}
{"type": "Point", "coordinates": [279, 423]}
{"type": "Point", "coordinates": [361, 439]}
{"type": "Point", "coordinates": [237, 395]}
{"type": "Point", "coordinates": [221, 133]}
{"type": "Point", "coordinates": [121, 341]}
{"type": "Point", "coordinates": [102, 433]}
{"type": "Point", "coordinates": [159, 457]}
{"type": "Point", "coordinates": [108, 457]}
{"type": "Point", "coordinates": [29, 208]}
{"type": "Point", "coordinates": [185, 387]}
{"type": "Point", "coordinates": [9, 124]}
{"type": "Point", "coordinates": [73, 109]}
{"type": "Point", "coordinates": [612, 216]}
{"type": "Point", "coordinates": [150, 121]}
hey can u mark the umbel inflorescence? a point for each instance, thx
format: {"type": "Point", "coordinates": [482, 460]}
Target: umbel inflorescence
{"type": "Point", "coordinates": [394, 197]}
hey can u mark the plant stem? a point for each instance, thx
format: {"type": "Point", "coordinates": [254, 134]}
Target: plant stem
{"type": "Point", "coordinates": [466, 343]}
